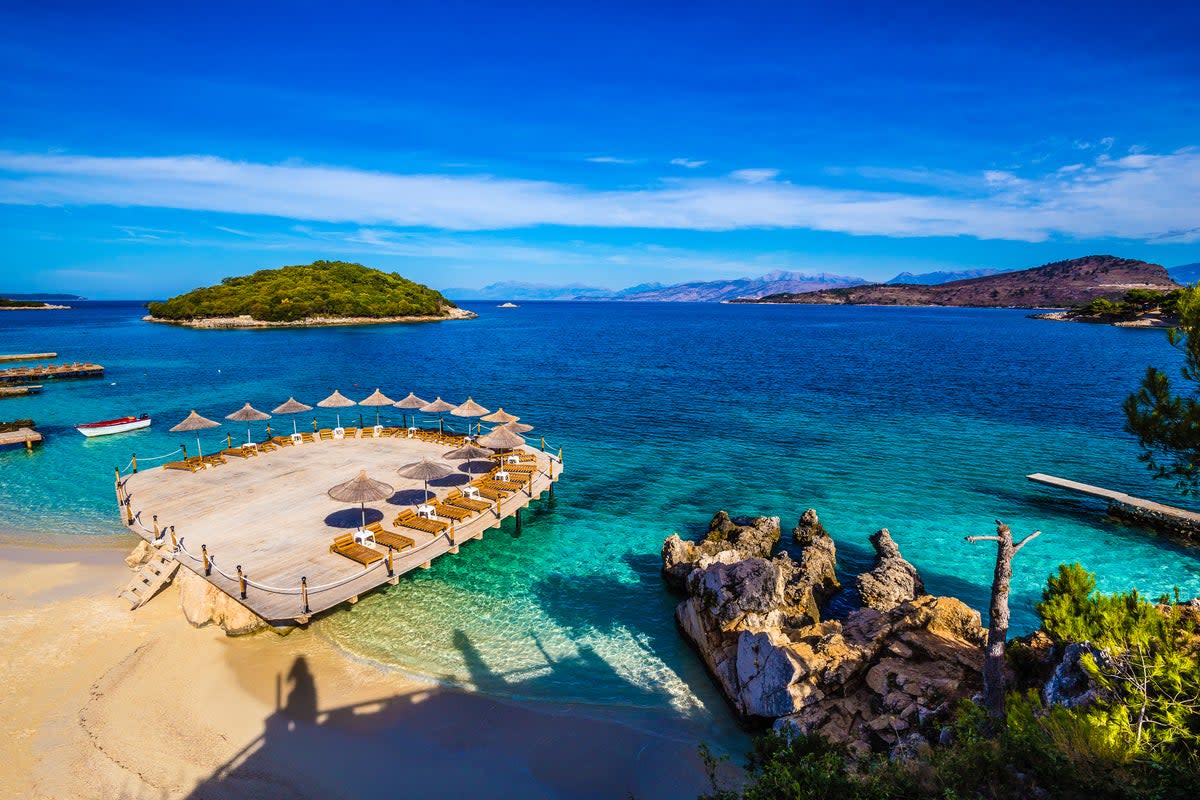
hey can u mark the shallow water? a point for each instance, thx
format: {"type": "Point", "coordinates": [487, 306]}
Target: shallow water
{"type": "Point", "coordinates": [921, 420]}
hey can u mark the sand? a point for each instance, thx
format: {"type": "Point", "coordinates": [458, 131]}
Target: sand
{"type": "Point", "coordinates": [103, 702]}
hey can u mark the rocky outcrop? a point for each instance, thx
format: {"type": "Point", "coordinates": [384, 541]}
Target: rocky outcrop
{"type": "Point", "coordinates": [205, 604]}
{"type": "Point", "coordinates": [728, 540]}
{"type": "Point", "coordinates": [893, 580]}
{"type": "Point", "coordinates": [868, 680]}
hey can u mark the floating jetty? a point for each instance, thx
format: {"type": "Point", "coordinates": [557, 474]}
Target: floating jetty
{"type": "Point", "coordinates": [26, 436]}
{"type": "Point", "coordinates": [48, 371]}
{"type": "Point", "coordinates": [27, 356]}
{"type": "Point", "coordinates": [1147, 512]}
{"type": "Point", "coordinates": [19, 391]}
{"type": "Point", "coordinates": [260, 527]}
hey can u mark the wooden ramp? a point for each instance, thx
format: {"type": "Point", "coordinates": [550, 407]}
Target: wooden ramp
{"type": "Point", "coordinates": [1175, 520]}
{"type": "Point", "coordinates": [151, 578]}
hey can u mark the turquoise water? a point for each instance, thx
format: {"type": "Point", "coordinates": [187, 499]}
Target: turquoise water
{"type": "Point", "coordinates": [921, 420]}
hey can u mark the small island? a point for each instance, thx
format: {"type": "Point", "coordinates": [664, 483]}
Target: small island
{"type": "Point", "coordinates": [1139, 308]}
{"type": "Point", "coordinates": [308, 295]}
{"type": "Point", "coordinates": [28, 305]}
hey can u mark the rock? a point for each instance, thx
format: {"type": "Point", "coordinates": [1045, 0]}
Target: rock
{"type": "Point", "coordinates": [139, 555]}
{"type": "Point", "coordinates": [728, 541]}
{"type": "Point", "coordinates": [893, 580]}
{"type": "Point", "coordinates": [1070, 686]}
{"type": "Point", "coordinates": [203, 603]}
{"type": "Point", "coordinates": [812, 579]}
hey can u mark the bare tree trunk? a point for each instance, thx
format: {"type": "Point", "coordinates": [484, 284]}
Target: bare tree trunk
{"type": "Point", "coordinates": [998, 617]}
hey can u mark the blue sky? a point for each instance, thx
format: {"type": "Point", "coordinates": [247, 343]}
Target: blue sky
{"type": "Point", "coordinates": [148, 150]}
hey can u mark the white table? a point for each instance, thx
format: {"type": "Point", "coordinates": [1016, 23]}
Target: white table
{"type": "Point", "coordinates": [425, 510]}
{"type": "Point", "coordinates": [471, 492]}
{"type": "Point", "coordinates": [500, 476]}
{"type": "Point", "coordinates": [365, 538]}
{"type": "Point", "coordinates": [514, 459]}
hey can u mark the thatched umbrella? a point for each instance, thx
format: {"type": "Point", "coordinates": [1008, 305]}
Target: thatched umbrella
{"type": "Point", "coordinates": [501, 417]}
{"type": "Point", "coordinates": [377, 399]}
{"type": "Point", "coordinates": [412, 402]}
{"type": "Point", "coordinates": [439, 407]}
{"type": "Point", "coordinates": [292, 406]}
{"type": "Point", "coordinates": [466, 453]}
{"type": "Point", "coordinates": [361, 489]}
{"type": "Point", "coordinates": [469, 409]}
{"type": "Point", "coordinates": [195, 422]}
{"type": "Point", "coordinates": [248, 414]}
{"type": "Point", "coordinates": [336, 400]}
{"type": "Point", "coordinates": [502, 438]}
{"type": "Point", "coordinates": [425, 470]}
{"type": "Point", "coordinates": [518, 427]}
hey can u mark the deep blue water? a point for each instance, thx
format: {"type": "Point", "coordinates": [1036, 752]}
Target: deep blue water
{"type": "Point", "coordinates": [921, 420]}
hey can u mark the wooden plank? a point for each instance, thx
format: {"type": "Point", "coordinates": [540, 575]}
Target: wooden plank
{"type": "Point", "coordinates": [27, 356]}
{"type": "Point", "coordinates": [25, 436]}
{"type": "Point", "coordinates": [271, 515]}
{"type": "Point", "coordinates": [1156, 513]}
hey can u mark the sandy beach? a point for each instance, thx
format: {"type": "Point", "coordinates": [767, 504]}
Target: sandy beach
{"type": "Point", "coordinates": [102, 702]}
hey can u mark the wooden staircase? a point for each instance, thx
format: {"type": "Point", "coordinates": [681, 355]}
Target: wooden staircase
{"type": "Point", "coordinates": [150, 578]}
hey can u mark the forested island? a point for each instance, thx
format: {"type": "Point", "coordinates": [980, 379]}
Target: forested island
{"type": "Point", "coordinates": [7, 304]}
{"type": "Point", "coordinates": [320, 293]}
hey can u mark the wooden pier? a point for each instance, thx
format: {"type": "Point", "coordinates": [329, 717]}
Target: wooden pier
{"type": "Point", "coordinates": [27, 356]}
{"type": "Point", "coordinates": [26, 436]}
{"type": "Point", "coordinates": [267, 518]}
{"type": "Point", "coordinates": [1173, 520]}
{"type": "Point", "coordinates": [49, 371]}
{"type": "Point", "coordinates": [19, 391]}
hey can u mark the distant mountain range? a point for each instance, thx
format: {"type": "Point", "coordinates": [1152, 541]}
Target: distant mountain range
{"type": "Point", "coordinates": [1056, 285]}
{"type": "Point", "coordinates": [41, 296]}
{"type": "Point", "coordinates": [782, 283]}
{"type": "Point", "coordinates": [934, 278]}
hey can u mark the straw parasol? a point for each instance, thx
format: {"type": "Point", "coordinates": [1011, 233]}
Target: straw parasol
{"type": "Point", "coordinates": [361, 489]}
{"type": "Point", "coordinates": [248, 414]}
{"type": "Point", "coordinates": [439, 407]}
{"type": "Point", "coordinates": [377, 398]}
{"type": "Point", "coordinates": [502, 438]}
{"type": "Point", "coordinates": [292, 406]}
{"type": "Point", "coordinates": [411, 402]}
{"type": "Point", "coordinates": [469, 409]}
{"type": "Point", "coordinates": [425, 470]}
{"type": "Point", "coordinates": [467, 452]}
{"type": "Point", "coordinates": [518, 427]}
{"type": "Point", "coordinates": [195, 422]}
{"type": "Point", "coordinates": [501, 417]}
{"type": "Point", "coordinates": [336, 400]}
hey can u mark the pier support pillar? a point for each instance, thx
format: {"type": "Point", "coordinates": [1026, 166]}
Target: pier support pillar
{"type": "Point", "coordinates": [427, 565]}
{"type": "Point", "coordinates": [518, 515]}
{"type": "Point", "coordinates": [453, 550]}
{"type": "Point", "coordinates": [352, 599]}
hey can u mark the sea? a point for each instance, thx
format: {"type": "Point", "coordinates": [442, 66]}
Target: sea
{"type": "Point", "coordinates": [924, 421]}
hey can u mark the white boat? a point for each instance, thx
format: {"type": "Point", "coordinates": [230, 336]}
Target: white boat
{"type": "Point", "coordinates": [119, 425]}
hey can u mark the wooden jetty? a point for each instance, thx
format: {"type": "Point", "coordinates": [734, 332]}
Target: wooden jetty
{"type": "Point", "coordinates": [260, 528]}
{"type": "Point", "coordinates": [27, 356]}
{"type": "Point", "coordinates": [1173, 520]}
{"type": "Point", "coordinates": [48, 371]}
{"type": "Point", "coordinates": [19, 391]}
{"type": "Point", "coordinates": [26, 436]}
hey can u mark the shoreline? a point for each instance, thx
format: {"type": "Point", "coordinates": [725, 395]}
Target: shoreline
{"type": "Point", "coordinates": [45, 307]}
{"type": "Point", "coordinates": [248, 323]}
{"type": "Point", "coordinates": [225, 714]}
{"type": "Point", "coordinates": [1156, 323]}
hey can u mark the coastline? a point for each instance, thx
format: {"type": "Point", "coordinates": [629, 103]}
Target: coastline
{"type": "Point", "coordinates": [1141, 322]}
{"type": "Point", "coordinates": [142, 703]}
{"type": "Point", "coordinates": [45, 307]}
{"type": "Point", "coordinates": [246, 322]}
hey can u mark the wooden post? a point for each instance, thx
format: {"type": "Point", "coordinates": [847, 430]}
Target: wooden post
{"type": "Point", "coordinates": [174, 544]}
{"type": "Point", "coordinates": [518, 522]}
{"type": "Point", "coordinates": [207, 564]}
{"type": "Point", "coordinates": [440, 429]}
{"type": "Point", "coordinates": [229, 440]}
{"type": "Point", "coordinates": [304, 592]}
{"type": "Point", "coordinates": [155, 519]}
{"type": "Point", "coordinates": [268, 430]}
{"type": "Point", "coordinates": [117, 488]}
{"type": "Point", "coordinates": [242, 581]}
{"type": "Point", "coordinates": [560, 455]}
{"type": "Point", "coordinates": [391, 571]}
{"type": "Point", "coordinates": [135, 462]}
{"type": "Point", "coordinates": [183, 447]}
{"type": "Point", "coordinates": [29, 446]}
{"type": "Point", "coordinates": [128, 509]}
{"type": "Point", "coordinates": [314, 424]}
{"type": "Point", "coordinates": [543, 444]}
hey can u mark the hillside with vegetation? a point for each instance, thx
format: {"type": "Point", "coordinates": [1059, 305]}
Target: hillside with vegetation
{"type": "Point", "coordinates": [323, 290]}
{"type": "Point", "coordinates": [7, 303]}
{"type": "Point", "coordinates": [1061, 284]}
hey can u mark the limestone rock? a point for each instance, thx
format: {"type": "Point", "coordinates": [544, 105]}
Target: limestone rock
{"type": "Point", "coordinates": [1070, 686]}
{"type": "Point", "coordinates": [139, 555]}
{"type": "Point", "coordinates": [893, 580]}
{"type": "Point", "coordinates": [812, 579]}
{"type": "Point", "coordinates": [728, 541]}
{"type": "Point", "coordinates": [203, 603]}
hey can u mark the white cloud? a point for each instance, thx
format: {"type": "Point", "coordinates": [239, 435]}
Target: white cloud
{"type": "Point", "coordinates": [610, 160]}
{"type": "Point", "coordinates": [754, 175]}
{"type": "Point", "coordinates": [1149, 197]}
{"type": "Point", "coordinates": [688, 163]}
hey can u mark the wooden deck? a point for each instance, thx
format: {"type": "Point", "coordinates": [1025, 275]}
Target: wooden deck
{"type": "Point", "coordinates": [1176, 520]}
{"type": "Point", "coordinates": [20, 391]}
{"type": "Point", "coordinates": [25, 436]}
{"type": "Point", "coordinates": [27, 356]}
{"type": "Point", "coordinates": [48, 371]}
{"type": "Point", "coordinates": [271, 515]}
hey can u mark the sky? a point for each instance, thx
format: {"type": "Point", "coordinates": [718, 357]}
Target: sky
{"type": "Point", "coordinates": [147, 150]}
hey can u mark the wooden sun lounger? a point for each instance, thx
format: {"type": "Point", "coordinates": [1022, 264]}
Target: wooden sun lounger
{"type": "Point", "coordinates": [521, 454]}
{"type": "Point", "coordinates": [282, 441]}
{"type": "Point", "coordinates": [351, 433]}
{"type": "Point", "coordinates": [216, 459]}
{"type": "Point", "coordinates": [391, 539]}
{"type": "Point", "coordinates": [409, 519]}
{"type": "Point", "coordinates": [188, 465]}
{"type": "Point", "coordinates": [307, 437]}
{"type": "Point", "coordinates": [524, 469]}
{"type": "Point", "coordinates": [455, 498]}
{"type": "Point", "coordinates": [452, 512]}
{"type": "Point", "coordinates": [389, 431]}
{"type": "Point", "coordinates": [490, 493]}
{"type": "Point", "coordinates": [325, 433]}
{"type": "Point", "coordinates": [240, 452]}
{"type": "Point", "coordinates": [345, 545]}
{"type": "Point", "coordinates": [266, 447]}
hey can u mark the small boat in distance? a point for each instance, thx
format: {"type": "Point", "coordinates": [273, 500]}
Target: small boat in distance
{"type": "Point", "coordinates": [119, 425]}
